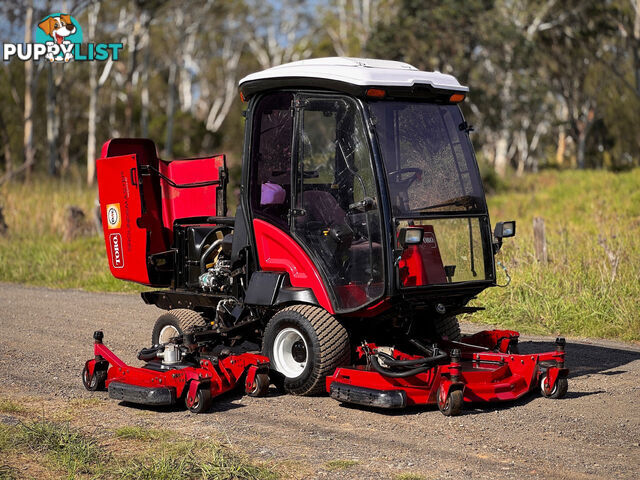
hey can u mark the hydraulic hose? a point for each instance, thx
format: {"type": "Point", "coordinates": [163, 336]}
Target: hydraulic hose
{"type": "Point", "coordinates": [424, 365]}
{"type": "Point", "coordinates": [394, 362]}
{"type": "Point", "coordinates": [147, 354]}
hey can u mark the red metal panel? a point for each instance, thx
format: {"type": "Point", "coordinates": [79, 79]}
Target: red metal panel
{"type": "Point", "coordinates": [120, 206]}
{"type": "Point", "coordinates": [422, 264]}
{"type": "Point", "coordinates": [278, 252]}
{"type": "Point", "coordinates": [189, 202]}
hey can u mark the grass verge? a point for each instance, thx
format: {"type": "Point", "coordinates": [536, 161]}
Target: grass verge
{"type": "Point", "coordinates": [590, 286]}
{"type": "Point", "coordinates": [63, 450]}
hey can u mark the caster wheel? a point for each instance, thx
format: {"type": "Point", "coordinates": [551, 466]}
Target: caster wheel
{"type": "Point", "coordinates": [260, 386]}
{"type": "Point", "coordinates": [202, 402]}
{"type": "Point", "coordinates": [93, 382]}
{"type": "Point", "coordinates": [559, 390]}
{"type": "Point", "coordinates": [450, 405]}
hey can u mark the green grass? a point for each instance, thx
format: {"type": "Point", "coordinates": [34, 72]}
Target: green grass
{"type": "Point", "coordinates": [138, 433]}
{"type": "Point", "coordinates": [576, 293]}
{"type": "Point", "coordinates": [340, 464]}
{"type": "Point", "coordinates": [9, 406]}
{"type": "Point", "coordinates": [409, 476]}
{"type": "Point", "coordinates": [33, 251]}
{"type": "Point", "coordinates": [68, 450]}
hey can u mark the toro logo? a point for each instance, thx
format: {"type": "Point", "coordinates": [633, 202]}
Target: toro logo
{"type": "Point", "coordinates": [117, 260]}
{"type": "Point", "coordinates": [430, 239]}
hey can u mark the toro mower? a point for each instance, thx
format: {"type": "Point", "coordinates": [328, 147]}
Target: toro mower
{"type": "Point", "coordinates": [360, 234]}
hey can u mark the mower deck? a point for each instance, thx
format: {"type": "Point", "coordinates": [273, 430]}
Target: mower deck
{"type": "Point", "coordinates": [480, 368]}
{"type": "Point", "coordinates": [195, 382]}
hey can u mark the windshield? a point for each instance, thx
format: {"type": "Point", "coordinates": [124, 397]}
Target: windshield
{"type": "Point", "coordinates": [428, 158]}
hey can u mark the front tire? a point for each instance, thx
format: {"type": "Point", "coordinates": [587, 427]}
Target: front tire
{"type": "Point", "coordinates": [174, 323]}
{"type": "Point", "coordinates": [448, 328]}
{"type": "Point", "coordinates": [305, 344]}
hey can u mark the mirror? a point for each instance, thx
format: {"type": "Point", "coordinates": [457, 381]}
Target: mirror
{"type": "Point", "coordinates": [505, 229]}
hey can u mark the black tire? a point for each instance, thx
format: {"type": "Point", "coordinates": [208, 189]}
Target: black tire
{"type": "Point", "coordinates": [202, 402]}
{"type": "Point", "coordinates": [94, 382]}
{"type": "Point", "coordinates": [324, 340]}
{"type": "Point", "coordinates": [452, 406]}
{"type": "Point", "coordinates": [559, 389]}
{"type": "Point", "coordinates": [180, 319]}
{"type": "Point", "coordinates": [260, 387]}
{"type": "Point", "coordinates": [448, 327]}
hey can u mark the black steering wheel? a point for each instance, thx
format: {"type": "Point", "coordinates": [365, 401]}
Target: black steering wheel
{"type": "Point", "coordinates": [406, 183]}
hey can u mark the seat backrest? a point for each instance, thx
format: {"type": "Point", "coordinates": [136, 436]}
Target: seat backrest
{"type": "Point", "coordinates": [323, 207]}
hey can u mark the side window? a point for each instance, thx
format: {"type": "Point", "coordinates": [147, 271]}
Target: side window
{"type": "Point", "coordinates": [270, 189]}
{"type": "Point", "coordinates": [336, 209]}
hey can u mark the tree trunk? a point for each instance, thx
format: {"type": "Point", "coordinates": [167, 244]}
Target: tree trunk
{"type": "Point", "coordinates": [29, 152]}
{"type": "Point", "coordinates": [93, 100]}
{"type": "Point", "coordinates": [6, 147]}
{"type": "Point", "coordinates": [171, 110]}
{"type": "Point", "coordinates": [500, 161]}
{"type": "Point", "coordinates": [562, 146]}
{"type": "Point", "coordinates": [636, 50]}
{"type": "Point", "coordinates": [52, 122]}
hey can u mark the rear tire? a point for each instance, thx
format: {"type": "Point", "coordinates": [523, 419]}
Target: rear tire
{"type": "Point", "coordinates": [305, 344]}
{"type": "Point", "coordinates": [448, 327]}
{"type": "Point", "coordinates": [174, 323]}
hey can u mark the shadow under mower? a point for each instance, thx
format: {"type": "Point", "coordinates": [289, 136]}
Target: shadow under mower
{"type": "Point", "coordinates": [362, 230]}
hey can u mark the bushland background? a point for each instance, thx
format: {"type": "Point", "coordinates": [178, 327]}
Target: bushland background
{"type": "Point", "coordinates": [555, 102]}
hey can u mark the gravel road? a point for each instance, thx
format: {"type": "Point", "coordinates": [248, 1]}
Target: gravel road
{"type": "Point", "coordinates": [46, 335]}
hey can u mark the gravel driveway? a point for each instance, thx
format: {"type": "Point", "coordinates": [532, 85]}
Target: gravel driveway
{"type": "Point", "coordinates": [46, 335]}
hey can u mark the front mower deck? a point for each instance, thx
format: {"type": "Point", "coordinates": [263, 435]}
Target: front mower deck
{"type": "Point", "coordinates": [195, 381]}
{"type": "Point", "coordinates": [481, 368]}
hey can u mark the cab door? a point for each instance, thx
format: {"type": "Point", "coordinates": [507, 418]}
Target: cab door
{"type": "Point", "coordinates": [335, 214]}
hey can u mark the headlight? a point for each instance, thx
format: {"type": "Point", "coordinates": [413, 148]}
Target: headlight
{"type": "Point", "coordinates": [410, 236]}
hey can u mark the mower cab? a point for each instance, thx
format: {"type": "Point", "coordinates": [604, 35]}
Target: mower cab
{"type": "Point", "coordinates": [362, 218]}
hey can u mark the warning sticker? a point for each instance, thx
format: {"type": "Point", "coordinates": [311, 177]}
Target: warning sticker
{"type": "Point", "coordinates": [113, 216]}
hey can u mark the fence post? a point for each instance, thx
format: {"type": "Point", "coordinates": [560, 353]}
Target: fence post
{"type": "Point", "coordinates": [539, 240]}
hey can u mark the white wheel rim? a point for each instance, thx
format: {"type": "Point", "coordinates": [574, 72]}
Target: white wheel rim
{"type": "Point", "coordinates": [283, 358]}
{"type": "Point", "coordinates": [167, 333]}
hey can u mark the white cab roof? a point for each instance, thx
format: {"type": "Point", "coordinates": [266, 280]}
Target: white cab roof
{"type": "Point", "coordinates": [359, 71]}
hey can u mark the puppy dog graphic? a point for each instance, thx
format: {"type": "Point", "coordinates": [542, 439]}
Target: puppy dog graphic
{"type": "Point", "coordinates": [58, 28]}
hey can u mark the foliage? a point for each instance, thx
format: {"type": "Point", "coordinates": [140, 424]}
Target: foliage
{"type": "Point", "coordinates": [582, 290]}
{"type": "Point", "coordinates": [68, 449]}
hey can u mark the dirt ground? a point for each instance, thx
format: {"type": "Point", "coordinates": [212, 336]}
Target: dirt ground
{"type": "Point", "coordinates": [46, 335]}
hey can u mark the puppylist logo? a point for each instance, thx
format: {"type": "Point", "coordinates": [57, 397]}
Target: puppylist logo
{"type": "Point", "coordinates": [58, 38]}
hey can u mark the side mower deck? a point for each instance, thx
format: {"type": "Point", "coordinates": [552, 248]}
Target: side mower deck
{"type": "Point", "coordinates": [481, 368]}
{"type": "Point", "coordinates": [195, 381]}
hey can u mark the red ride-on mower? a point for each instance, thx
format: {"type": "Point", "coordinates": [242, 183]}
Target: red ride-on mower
{"type": "Point", "coordinates": [361, 229]}
{"type": "Point", "coordinates": [175, 373]}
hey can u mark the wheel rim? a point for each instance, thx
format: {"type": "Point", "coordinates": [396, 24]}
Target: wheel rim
{"type": "Point", "coordinates": [290, 353]}
{"type": "Point", "coordinates": [167, 333]}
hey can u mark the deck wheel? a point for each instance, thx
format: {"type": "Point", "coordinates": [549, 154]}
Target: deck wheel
{"type": "Point", "coordinates": [202, 402]}
{"type": "Point", "coordinates": [559, 390]}
{"type": "Point", "coordinates": [94, 382]}
{"type": "Point", "coordinates": [260, 386]}
{"type": "Point", "coordinates": [450, 404]}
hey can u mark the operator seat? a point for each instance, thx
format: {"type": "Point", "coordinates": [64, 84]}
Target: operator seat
{"type": "Point", "coordinates": [322, 208]}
